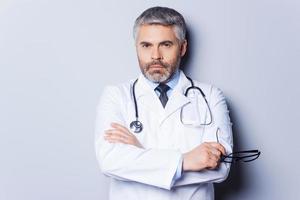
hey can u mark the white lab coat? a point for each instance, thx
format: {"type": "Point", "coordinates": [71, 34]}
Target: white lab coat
{"type": "Point", "coordinates": [146, 174]}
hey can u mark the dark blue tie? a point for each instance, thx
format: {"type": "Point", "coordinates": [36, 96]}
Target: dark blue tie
{"type": "Point", "coordinates": [163, 88]}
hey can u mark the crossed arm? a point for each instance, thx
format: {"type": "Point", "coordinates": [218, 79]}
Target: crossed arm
{"type": "Point", "coordinates": [205, 156]}
{"type": "Point", "coordinates": [123, 157]}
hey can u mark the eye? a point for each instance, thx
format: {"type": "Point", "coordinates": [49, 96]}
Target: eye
{"type": "Point", "coordinates": [145, 45]}
{"type": "Point", "coordinates": [167, 44]}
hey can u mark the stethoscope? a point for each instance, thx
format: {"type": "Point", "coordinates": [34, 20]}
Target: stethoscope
{"type": "Point", "coordinates": [137, 126]}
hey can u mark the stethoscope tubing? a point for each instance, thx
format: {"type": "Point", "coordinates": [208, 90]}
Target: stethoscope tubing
{"type": "Point", "coordinates": [137, 126]}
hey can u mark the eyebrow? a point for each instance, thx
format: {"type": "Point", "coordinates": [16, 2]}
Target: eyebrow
{"type": "Point", "coordinates": [144, 42]}
{"type": "Point", "coordinates": [163, 42]}
{"type": "Point", "coordinates": [166, 42]}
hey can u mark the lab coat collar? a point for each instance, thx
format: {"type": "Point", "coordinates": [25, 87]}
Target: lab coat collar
{"type": "Point", "coordinates": [143, 88]}
{"type": "Point", "coordinates": [147, 96]}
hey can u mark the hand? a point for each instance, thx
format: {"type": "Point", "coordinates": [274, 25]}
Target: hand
{"type": "Point", "coordinates": [121, 134]}
{"type": "Point", "coordinates": [205, 156]}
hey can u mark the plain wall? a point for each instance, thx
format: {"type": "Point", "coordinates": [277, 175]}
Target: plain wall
{"type": "Point", "coordinates": [56, 56]}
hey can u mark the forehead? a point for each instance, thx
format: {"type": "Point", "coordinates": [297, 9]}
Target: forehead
{"type": "Point", "coordinates": [155, 33]}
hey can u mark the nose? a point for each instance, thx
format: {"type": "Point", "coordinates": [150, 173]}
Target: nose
{"type": "Point", "coordinates": [156, 54]}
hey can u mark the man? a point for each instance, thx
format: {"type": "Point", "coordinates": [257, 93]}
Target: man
{"type": "Point", "coordinates": [173, 155]}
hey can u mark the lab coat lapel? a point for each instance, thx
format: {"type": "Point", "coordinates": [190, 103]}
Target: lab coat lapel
{"type": "Point", "coordinates": [147, 97]}
{"type": "Point", "coordinates": [177, 98]}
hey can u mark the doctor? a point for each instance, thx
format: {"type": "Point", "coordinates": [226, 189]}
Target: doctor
{"type": "Point", "coordinates": [174, 153]}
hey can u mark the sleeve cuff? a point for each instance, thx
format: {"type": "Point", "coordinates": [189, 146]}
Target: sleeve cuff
{"type": "Point", "coordinates": [178, 172]}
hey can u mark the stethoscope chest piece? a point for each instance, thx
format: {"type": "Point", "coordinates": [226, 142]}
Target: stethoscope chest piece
{"type": "Point", "coordinates": [136, 126]}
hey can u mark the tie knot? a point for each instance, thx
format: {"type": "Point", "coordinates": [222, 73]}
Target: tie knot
{"type": "Point", "coordinates": [162, 88]}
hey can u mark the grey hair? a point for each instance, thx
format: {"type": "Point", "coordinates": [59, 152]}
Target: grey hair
{"type": "Point", "coordinates": [161, 16]}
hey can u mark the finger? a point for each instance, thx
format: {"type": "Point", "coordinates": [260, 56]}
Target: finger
{"type": "Point", "coordinates": [212, 148]}
{"type": "Point", "coordinates": [213, 163]}
{"type": "Point", "coordinates": [118, 133]}
{"type": "Point", "coordinates": [117, 138]}
{"type": "Point", "coordinates": [115, 131]}
{"type": "Point", "coordinates": [131, 139]}
{"type": "Point", "coordinates": [219, 147]}
{"type": "Point", "coordinates": [122, 128]}
{"type": "Point", "coordinates": [216, 152]}
{"type": "Point", "coordinates": [214, 157]}
{"type": "Point", "coordinates": [119, 126]}
{"type": "Point", "coordinates": [107, 133]}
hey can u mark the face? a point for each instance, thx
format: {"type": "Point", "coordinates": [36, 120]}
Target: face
{"type": "Point", "coordinates": [159, 52]}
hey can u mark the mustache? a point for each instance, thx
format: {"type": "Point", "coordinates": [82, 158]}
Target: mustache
{"type": "Point", "coordinates": [157, 62]}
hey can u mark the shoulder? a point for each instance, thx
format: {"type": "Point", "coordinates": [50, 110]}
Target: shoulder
{"type": "Point", "coordinates": [212, 93]}
{"type": "Point", "coordinates": [207, 88]}
{"type": "Point", "coordinates": [117, 91]}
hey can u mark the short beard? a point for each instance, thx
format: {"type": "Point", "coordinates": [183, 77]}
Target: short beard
{"type": "Point", "coordinates": [157, 77]}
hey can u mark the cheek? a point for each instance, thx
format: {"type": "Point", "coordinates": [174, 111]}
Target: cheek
{"type": "Point", "coordinates": [171, 55]}
{"type": "Point", "coordinates": [143, 61]}
{"type": "Point", "coordinates": [144, 55]}
{"type": "Point", "coordinates": [172, 58]}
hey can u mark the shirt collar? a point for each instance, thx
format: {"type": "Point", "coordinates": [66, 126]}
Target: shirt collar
{"type": "Point", "coordinates": [171, 83]}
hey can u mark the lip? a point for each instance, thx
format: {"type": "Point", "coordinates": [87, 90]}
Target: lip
{"type": "Point", "coordinates": [156, 66]}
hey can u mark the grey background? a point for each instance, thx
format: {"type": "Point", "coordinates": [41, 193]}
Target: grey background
{"type": "Point", "coordinates": [56, 56]}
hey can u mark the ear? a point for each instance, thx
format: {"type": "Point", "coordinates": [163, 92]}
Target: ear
{"type": "Point", "coordinates": [183, 48]}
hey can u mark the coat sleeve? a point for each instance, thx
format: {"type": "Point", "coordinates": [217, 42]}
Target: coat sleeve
{"type": "Point", "coordinates": [222, 121]}
{"type": "Point", "coordinates": [125, 162]}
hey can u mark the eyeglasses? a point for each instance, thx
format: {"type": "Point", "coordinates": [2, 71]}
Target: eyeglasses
{"type": "Point", "coordinates": [245, 156]}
